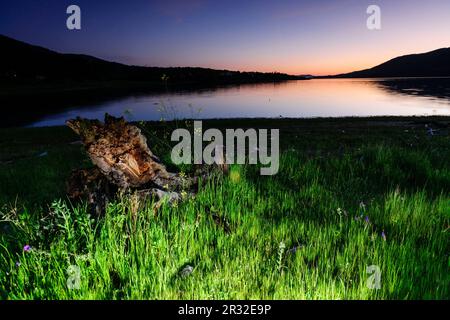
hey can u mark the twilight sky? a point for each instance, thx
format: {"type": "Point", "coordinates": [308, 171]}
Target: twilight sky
{"type": "Point", "coordinates": [297, 37]}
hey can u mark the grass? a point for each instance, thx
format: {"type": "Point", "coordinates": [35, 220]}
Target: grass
{"type": "Point", "coordinates": [350, 193]}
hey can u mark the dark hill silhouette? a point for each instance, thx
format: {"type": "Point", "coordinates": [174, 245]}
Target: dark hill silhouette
{"type": "Point", "coordinates": [25, 63]}
{"type": "Point", "coordinates": [431, 64]}
{"type": "Point", "coordinates": [36, 81]}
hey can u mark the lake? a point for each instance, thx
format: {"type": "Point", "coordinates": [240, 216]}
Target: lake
{"type": "Point", "coordinates": [296, 99]}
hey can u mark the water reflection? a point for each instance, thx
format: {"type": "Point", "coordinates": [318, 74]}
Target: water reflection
{"type": "Point", "coordinates": [438, 88]}
{"type": "Point", "coordinates": [312, 98]}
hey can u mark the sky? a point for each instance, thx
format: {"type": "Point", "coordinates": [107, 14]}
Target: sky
{"type": "Point", "coordinates": [317, 37]}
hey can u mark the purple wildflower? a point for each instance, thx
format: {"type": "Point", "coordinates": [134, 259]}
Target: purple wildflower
{"type": "Point", "coordinates": [27, 248]}
{"type": "Point", "coordinates": [294, 249]}
{"type": "Point", "coordinates": [17, 264]}
{"type": "Point", "coordinates": [383, 235]}
{"type": "Point", "coordinates": [367, 219]}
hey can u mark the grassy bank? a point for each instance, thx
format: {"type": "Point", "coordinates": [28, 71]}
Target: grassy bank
{"type": "Point", "coordinates": [350, 193]}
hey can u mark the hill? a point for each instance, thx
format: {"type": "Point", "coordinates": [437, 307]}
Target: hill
{"type": "Point", "coordinates": [23, 63]}
{"type": "Point", "coordinates": [431, 64]}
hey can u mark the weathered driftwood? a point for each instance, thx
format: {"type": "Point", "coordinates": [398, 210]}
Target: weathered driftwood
{"type": "Point", "coordinates": [121, 153]}
{"type": "Point", "coordinates": [123, 162]}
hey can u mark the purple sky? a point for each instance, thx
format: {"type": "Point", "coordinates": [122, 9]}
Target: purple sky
{"type": "Point", "coordinates": [298, 37]}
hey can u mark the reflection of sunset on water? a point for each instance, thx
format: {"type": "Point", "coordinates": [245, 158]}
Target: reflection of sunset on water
{"type": "Point", "coordinates": [310, 98]}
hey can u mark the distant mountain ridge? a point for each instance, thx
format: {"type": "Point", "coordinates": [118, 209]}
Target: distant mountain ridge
{"type": "Point", "coordinates": [22, 63]}
{"type": "Point", "coordinates": [430, 64]}
{"type": "Point", "coordinates": [25, 63]}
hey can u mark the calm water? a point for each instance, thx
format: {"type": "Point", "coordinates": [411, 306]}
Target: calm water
{"type": "Point", "coordinates": [312, 98]}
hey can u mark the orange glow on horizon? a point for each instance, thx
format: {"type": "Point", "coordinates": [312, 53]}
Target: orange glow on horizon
{"type": "Point", "coordinates": [323, 65]}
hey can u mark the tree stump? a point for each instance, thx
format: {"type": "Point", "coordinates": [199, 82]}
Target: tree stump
{"type": "Point", "coordinates": [123, 162]}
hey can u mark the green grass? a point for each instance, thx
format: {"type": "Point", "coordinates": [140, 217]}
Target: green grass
{"type": "Point", "coordinates": [302, 234]}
